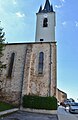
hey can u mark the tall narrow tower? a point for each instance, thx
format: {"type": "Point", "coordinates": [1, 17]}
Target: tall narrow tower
{"type": "Point", "coordinates": [45, 24]}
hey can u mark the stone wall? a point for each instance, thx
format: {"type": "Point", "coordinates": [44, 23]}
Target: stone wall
{"type": "Point", "coordinates": [61, 96]}
{"type": "Point", "coordinates": [12, 86]}
{"type": "Point", "coordinates": [25, 78]}
{"type": "Point", "coordinates": [38, 84]}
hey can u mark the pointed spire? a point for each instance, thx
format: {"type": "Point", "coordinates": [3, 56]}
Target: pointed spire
{"type": "Point", "coordinates": [47, 7]}
{"type": "Point", "coordinates": [51, 8]}
{"type": "Point", "coordinates": [40, 9]}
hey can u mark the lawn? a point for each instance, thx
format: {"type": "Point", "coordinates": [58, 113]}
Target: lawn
{"type": "Point", "coordinates": [5, 106]}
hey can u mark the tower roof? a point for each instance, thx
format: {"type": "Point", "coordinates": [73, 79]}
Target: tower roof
{"type": "Point", "coordinates": [47, 7]}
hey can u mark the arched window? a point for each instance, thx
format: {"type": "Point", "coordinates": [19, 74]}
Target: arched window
{"type": "Point", "coordinates": [40, 66]}
{"type": "Point", "coordinates": [45, 22]}
{"type": "Point", "coordinates": [11, 65]}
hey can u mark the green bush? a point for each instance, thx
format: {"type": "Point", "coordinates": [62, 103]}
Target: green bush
{"type": "Point", "coordinates": [5, 106]}
{"type": "Point", "coordinates": [37, 102]}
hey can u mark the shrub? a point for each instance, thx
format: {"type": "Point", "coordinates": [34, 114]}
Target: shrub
{"type": "Point", "coordinates": [5, 106]}
{"type": "Point", "coordinates": [37, 102]}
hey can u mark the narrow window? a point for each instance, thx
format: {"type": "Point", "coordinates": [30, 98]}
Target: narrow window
{"type": "Point", "coordinates": [11, 65]}
{"type": "Point", "coordinates": [45, 22]}
{"type": "Point", "coordinates": [40, 66]}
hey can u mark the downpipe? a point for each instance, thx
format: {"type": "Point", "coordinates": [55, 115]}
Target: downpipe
{"type": "Point", "coordinates": [50, 70]}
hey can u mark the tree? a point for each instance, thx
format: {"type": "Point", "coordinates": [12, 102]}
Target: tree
{"type": "Point", "coordinates": [2, 45]}
{"type": "Point", "coordinates": [2, 39]}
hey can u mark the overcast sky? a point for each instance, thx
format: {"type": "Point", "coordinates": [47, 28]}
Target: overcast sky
{"type": "Point", "coordinates": [18, 18]}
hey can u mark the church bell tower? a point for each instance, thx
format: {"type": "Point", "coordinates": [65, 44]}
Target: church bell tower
{"type": "Point", "coordinates": [45, 24]}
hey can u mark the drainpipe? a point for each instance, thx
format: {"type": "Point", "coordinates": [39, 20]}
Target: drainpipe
{"type": "Point", "coordinates": [50, 71]}
{"type": "Point", "coordinates": [21, 96]}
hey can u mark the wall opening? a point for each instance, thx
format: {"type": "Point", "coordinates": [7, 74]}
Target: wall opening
{"type": "Point", "coordinates": [40, 65]}
{"type": "Point", "coordinates": [11, 65]}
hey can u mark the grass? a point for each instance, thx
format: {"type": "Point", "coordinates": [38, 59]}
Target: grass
{"type": "Point", "coordinates": [5, 106]}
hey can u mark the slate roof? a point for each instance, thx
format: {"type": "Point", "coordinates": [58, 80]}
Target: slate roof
{"type": "Point", "coordinates": [47, 8]}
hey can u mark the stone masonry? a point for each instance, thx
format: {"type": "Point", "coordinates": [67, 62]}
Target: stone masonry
{"type": "Point", "coordinates": [25, 78]}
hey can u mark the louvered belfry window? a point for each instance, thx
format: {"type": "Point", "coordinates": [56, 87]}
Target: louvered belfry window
{"type": "Point", "coordinates": [45, 22]}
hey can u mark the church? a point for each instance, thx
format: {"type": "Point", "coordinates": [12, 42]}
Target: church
{"type": "Point", "coordinates": [31, 68]}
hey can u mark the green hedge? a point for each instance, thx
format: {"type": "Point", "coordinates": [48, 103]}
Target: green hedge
{"type": "Point", "coordinates": [36, 102]}
{"type": "Point", "coordinates": [5, 106]}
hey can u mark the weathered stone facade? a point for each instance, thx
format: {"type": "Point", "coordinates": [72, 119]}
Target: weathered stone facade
{"type": "Point", "coordinates": [25, 78]}
{"type": "Point", "coordinates": [61, 96]}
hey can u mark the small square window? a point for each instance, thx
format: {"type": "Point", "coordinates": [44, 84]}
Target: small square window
{"type": "Point", "coordinates": [41, 39]}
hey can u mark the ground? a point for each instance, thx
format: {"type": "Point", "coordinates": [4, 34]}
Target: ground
{"type": "Point", "coordinates": [21, 115]}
